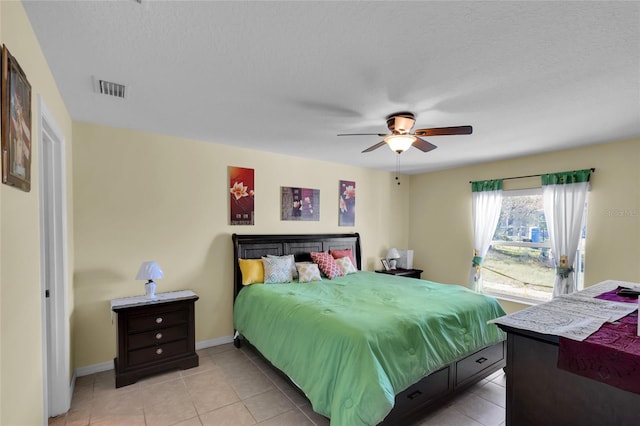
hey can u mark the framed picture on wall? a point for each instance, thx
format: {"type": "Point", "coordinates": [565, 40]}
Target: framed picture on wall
{"type": "Point", "coordinates": [242, 196]}
{"type": "Point", "coordinates": [299, 203]}
{"type": "Point", "coordinates": [347, 203]}
{"type": "Point", "coordinates": [16, 124]}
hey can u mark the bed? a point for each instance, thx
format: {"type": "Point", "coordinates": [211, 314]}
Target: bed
{"type": "Point", "coordinates": [365, 348]}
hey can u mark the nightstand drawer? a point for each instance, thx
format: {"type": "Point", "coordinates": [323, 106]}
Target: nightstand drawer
{"type": "Point", "coordinates": [158, 336]}
{"type": "Point", "coordinates": [155, 320]}
{"type": "Point", "coordinates": [478, 362]}
{"type": "Point", "coordinates": [158, 353]}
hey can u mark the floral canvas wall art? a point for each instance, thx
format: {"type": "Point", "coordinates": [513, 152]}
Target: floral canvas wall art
{"type": "Point", "coordinates": [16, 124]}
{"type": "Point", "coordinates": [300, 203]}
{"type": "Point", "coordinates": [347, 203]}
{"type": "Point", "coordinates": [242, 191]}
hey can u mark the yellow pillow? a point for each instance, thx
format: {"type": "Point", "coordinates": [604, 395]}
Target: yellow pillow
{"type": "Point", "coordinates": [252, 271]}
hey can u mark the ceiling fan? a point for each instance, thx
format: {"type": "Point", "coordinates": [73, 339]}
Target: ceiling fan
{"type": "Point", "coordinates": [401, 139]}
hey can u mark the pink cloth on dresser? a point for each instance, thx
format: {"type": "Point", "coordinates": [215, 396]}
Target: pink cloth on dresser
{"type": "Point", "coordinates": [610, 355]}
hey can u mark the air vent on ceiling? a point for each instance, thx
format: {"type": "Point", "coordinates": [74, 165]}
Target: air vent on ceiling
{"type": "Point", "coordinates": [110, 88]}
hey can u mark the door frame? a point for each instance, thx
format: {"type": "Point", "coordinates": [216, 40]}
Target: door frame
{"type": "Point", "coordinates": [55, 311]}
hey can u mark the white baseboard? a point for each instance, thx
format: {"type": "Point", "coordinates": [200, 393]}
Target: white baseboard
{"type": "Point", "coordinates": [105, 366]}
{"type": "Point", "coordinates": [92, 369]}
{"type": "Point", "coordinates": [72, 387]}
{"type": "Point", "coordinates": [213, 342]}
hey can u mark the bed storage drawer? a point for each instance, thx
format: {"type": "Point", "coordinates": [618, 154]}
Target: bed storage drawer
{"type": "Point", "coordinates": [426, 390]}
{"type": "Point", "coordinates": [478, 362]}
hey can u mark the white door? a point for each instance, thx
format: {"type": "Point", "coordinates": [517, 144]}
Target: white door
{"type": "Point", "coordinates": [53, 248]}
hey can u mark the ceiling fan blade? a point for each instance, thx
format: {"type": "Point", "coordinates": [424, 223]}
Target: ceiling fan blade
{"type": "Point", "coordinates": [363, 134]}
{"type": "Point", "coordinates": [423, 145]}
{"type": "Point", "coordinates": [443, 131]}
{"type": "Point", "coordinates": [376, 146]}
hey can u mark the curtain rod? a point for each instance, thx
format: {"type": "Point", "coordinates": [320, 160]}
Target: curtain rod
{"type": "Point", "coordinates": [528, 176]}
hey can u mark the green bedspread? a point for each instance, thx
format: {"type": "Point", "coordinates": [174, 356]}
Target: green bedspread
{"type": "Point", "coordinates": [351, 344]}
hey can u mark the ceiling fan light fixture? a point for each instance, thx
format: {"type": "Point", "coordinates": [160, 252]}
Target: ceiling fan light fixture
{"type": "Point", "coordinates": [400, 143]}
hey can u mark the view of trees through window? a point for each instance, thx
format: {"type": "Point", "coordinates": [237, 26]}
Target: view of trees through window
{"type": "Point", "coordinates": [519, 262]}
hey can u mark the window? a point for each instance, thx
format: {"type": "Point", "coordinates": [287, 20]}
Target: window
{"type": "Point", "coordinates": [519, 263]}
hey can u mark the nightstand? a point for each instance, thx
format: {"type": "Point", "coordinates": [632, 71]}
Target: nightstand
{"type": "Point", "coordinates": [154, 335]}
{"type": "Point", "coordinates": [399, 272]}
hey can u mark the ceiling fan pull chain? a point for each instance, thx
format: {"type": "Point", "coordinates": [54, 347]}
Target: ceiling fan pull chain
{"type": "Point", "coordinates": [398, 168]}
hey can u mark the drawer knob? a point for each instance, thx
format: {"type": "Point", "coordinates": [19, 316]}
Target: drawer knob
{"type": "Point", "coordinates": [158, 320]}
{"type": "Point", "coordinates": [481, 360]}
{"type": "Point", "coordinates": [159, 336]}
{"type": "Point", "coordinates": [159, 351]}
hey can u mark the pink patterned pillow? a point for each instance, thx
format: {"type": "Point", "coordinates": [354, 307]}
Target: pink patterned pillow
{"type": "Point", "coordinates": [327, 264]}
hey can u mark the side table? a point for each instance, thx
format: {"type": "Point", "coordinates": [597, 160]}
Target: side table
{"type": "Point", "coordinates": [399, 272]}
{"type": "Point", "coordinates": [154, 335]}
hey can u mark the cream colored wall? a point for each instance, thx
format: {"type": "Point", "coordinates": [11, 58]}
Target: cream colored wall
{"type": "Point", "coordinates": [142, 196]}
{"type": "Point", "coordinates": [21, 351]}
{"type": "Point", "coordinates": [440, 212]}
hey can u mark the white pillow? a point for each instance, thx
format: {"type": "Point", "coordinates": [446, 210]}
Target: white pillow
{"type": "Point", "coordinates": [277, 270]}
{"type": "Point", "coordinates": [346, 265]}
{"type": "Point", "coordinates": [308, 272]}
{"type": "Point", "coordinates": [294, 271]}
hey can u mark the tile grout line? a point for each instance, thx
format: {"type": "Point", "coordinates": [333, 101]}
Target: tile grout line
{"type": "Point", "coordinates": [295, 406]}
{"type": "Point", "coordinates": [226, 405]}
{"type": "Point", "coordinates": [95, 387]}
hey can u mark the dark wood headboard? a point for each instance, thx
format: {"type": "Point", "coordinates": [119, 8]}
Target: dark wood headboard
{"type": "Point", "coordinates": [256, 246]}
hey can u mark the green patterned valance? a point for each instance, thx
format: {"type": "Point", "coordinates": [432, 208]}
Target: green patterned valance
{"type": "Point", "coordinates": [565, 178]}
{"type": "Point", "coordinates": [486, 185]}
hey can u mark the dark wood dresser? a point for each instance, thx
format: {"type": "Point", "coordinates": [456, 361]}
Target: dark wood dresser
{"type": "Point", "coordinates": [154, 335]}
{"type": "Point", "coordinates": [539, 393]}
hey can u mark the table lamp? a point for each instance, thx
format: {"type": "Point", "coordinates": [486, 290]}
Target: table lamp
{"type": "Point", "coordinates": [150, 271]}
{"type": "Point", "coordinates": [393, 255]}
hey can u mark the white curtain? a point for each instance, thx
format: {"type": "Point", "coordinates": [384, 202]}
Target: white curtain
{"type": "Point", "coordinates": [565, 195]}
{"type": "Point", "coordinates": [486, 207]}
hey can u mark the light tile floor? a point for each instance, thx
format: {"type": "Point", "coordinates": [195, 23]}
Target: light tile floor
{"type": "Point", "coordinates": [236, 388]}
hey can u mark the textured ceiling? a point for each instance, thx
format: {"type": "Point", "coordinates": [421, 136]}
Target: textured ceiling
{"type": "Point", "coordinates": [288, 77]}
